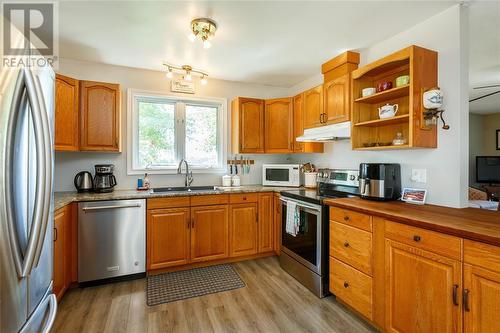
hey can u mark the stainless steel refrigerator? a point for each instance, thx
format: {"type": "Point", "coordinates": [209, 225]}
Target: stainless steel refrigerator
{"type": "Point", "coordinates": [27, 303]}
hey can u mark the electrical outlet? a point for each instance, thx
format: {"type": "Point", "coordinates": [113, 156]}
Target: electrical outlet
{"type": "Point", "coordinates": [419, 175]}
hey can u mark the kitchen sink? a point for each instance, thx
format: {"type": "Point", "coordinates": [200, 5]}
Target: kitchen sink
{"type": "Point", "coordinates": [183, 189]}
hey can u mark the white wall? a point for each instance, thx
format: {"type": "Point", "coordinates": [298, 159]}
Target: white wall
{"type": "Point", "coordinates": [447, 166]}
{"type": "Point", "coordinates": [67, 164]}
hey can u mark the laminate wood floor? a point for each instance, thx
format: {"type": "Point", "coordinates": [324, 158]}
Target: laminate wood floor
{"type": "Point", "coordinates": [272, 301]}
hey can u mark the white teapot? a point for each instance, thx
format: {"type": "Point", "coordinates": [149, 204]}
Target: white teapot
{"type": "Point", "coordinates": [387, 111]}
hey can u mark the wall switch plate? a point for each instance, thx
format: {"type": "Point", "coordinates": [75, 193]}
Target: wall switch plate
{"type": "Point", "coordinates": [419, 175]}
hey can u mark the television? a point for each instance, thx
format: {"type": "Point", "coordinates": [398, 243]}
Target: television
{"type": "Point", "coordinates": [488, 169]}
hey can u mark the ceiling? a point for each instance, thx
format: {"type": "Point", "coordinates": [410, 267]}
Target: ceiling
{"type": "Point", "coordinates": [484, 56]}
{"type": "Point", "coordinates": [271, 43]}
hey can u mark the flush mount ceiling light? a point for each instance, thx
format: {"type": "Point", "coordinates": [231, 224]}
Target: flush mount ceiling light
{"type": "Point", "coordinates": [204, 29]}
{"type": "Point", "coordinates": [186, 71]}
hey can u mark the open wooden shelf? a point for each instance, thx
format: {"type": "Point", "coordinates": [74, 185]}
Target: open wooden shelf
{"type": "Point", "coordinates": [386, 121]}
{"type": "Point", "coordinates": [385, 95]}
{"type": "Point", "coordinates": [422, 67]}
{"type": "Point", "coordinates": [391, 147]}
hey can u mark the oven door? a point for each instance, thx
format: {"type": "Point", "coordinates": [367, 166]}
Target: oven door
{"type": "Point", "coordinates": [306, 246]}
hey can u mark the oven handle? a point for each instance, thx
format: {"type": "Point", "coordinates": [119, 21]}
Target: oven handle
{"type": "Point", "coordinates": [303, 204]}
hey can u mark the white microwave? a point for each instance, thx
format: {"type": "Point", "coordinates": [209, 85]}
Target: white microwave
{"type": "Point", "coordinates": [282, 175]}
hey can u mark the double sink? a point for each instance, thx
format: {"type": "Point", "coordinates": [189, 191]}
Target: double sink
{"type": "Point", "coordinates": [184, 189]}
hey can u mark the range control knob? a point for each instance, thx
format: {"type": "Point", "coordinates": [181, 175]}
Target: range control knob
{"type": "Point", "coordinates": [352, 177]}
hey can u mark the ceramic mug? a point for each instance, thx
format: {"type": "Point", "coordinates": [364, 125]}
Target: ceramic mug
{"type": "Point", "coordinates": [402, 80]}
{"type": "Point", "coordinates": [368, 92]}
{"type": "Point", "coordinates": [433, 99]}
{"type": "Point", "coordinates": [387, 111]}
{"type": "Point", "coordinates": [384, 86]}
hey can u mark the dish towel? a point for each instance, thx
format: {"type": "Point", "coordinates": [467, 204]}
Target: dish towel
{"type": "Point", "coordinates": [292, 218]}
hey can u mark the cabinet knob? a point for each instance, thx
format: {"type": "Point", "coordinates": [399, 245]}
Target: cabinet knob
{"type": "Point", "coordinates": [346, 218]}
{"type": "Point", "coordinates": [416, 238]}
{"type": "Point", "coordinates": [346, 244]}
{"type": "Point", "coordinates": [244, 198]}
{"type": "Point", "coordinates": [346, 285]}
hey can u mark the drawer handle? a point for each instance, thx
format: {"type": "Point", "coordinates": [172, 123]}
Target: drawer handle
{"type": "Point", "coordinates": [346, 285]}
{"type": "Point", "coordinates": [466, 300]}
{"type": "Point", "coordinates": [417, 238]}
{"type": "Point", "coordinates": [346, 218]}
{"type": "Point", "coordinates": [244, 198]}
{"type": "Point", "coordinates": [346, 244]}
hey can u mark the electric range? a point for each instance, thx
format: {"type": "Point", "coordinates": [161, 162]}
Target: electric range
{"type": "Point", "coordinates": [304, 255]}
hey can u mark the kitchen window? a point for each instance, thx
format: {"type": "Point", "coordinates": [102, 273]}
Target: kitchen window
{"type": "Point", "coordinates": [164, 129]}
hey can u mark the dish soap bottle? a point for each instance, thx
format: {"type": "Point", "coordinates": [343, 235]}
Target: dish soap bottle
{"type": "Point", "coordinates": [145, 182]}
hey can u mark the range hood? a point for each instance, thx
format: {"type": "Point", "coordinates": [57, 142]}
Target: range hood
{"type": "Point", "coordinates": [327, 133]}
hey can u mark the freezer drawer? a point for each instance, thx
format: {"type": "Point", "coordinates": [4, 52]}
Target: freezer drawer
{"type": "Point", "coordinates": [111, 239]}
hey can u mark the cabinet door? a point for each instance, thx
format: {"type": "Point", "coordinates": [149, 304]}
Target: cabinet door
{"type": "Point", "coordinates": [209, 233]}
{"type": "Point", "coordinates": [251, 125]}
{"type": "Point", "coordinates": [313, 107]}
{"type": "Point", "coordinates": [243, 230]}
{"type": "Point", "coordinates": [265, 222]}
{"type": "Point", "coordinates": [59, 274]}
{"type": "Point", "coordinates": [168, 238]}
{"type": "Point", "coordinates": [423, 290]}
{"type": "Point", "coordinates": [298, 122]}
{"type": "Point", "coordinates": [482, 300]}
{"type": "Point", "coordinates": [100, 116]}
{"type": "Point", "coordinates": [337, 108]}
{"type": "Point", "coordinates": [66, 114]}
{"type": "Point", "coordinates": [279, 125]}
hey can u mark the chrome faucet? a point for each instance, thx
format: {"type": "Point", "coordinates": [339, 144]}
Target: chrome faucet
{"type": "Point", "coordinates": [189, 175]}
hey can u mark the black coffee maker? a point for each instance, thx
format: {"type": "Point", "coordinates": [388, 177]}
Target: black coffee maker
{"type": "Point", "coordinates": [380, 181]}
{"type": "Point", "coordinates": [104, 180]}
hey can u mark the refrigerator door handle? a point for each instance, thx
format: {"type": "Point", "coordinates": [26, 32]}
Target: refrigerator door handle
{"type": "Point", "coordinates": [22, 96]}
{"type": "Point", "coordinates": [47, 145]}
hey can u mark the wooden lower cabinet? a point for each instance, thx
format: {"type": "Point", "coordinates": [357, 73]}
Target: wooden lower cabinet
{"type": "Point", "coordinates": [209, 233]}
{"type": "Point", "coordinates": [63, 260]}
{"type": "Point", "coordinates": [423, 290]}
{"type": "Point", "coordinates": [265, 223]}
{"type": "Point", "coordinates": [243, 230]}
{"type": "Point", "coordinates": [168, 233]}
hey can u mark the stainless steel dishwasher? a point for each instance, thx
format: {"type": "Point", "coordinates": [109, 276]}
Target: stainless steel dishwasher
{"type": "Point", "coordinates": [111, 239]}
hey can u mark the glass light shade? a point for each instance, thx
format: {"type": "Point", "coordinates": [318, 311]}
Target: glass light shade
{"type": "Point", "coordinates": [170, 74]}
{"type": "Point", "coordinates": [204, 81]}
{"type": "Point", "coordinates": [188, 77]}
{"type": "Point", "coordinates": [207, 44]}
{"type": "Point", "coordinates": [192, 37]}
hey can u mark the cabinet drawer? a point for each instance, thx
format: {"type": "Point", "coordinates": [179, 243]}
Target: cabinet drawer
{"type": "Point", "coordinates": [436, 242]}
{"type": "Point", "coordinates": [483, 255]}
{"type": "Point", "coordinates": [172, 202]}
{"type": "Point", "coordinates": [243, 198]}
{"type": "Point", "coordinates": [351, 286]}
{"type": "Point", "coordinates": [352, 246]}
{"type": "Point", "coordinates": [352, 218]}
{"type": "Point", "coordinates": [205, 200]}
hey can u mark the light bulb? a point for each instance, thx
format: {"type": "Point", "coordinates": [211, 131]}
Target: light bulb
{"type": "Point", "coordinates": [188, 76]}
{"type": "Point", "coordinates": [170, 74]}
{"type": "Point", "coordinates": [207, 44]}
{"type": "Point", "coordinates": [204, 81]}
{"type": "Point", "coordinates": [192, 37]}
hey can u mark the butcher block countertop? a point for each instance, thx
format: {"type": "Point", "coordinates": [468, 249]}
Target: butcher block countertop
{"type": "Point", "coordinates": [470, 223]}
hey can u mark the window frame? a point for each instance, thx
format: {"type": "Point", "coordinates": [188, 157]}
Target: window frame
{"type": "Point", "coordinates": [180, 137]}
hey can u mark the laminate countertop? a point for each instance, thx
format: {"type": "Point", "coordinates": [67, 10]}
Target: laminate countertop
{"type": "Point", "coordinates": [470, 223]}
{"type": "Point", "coordinates": [62, 199]}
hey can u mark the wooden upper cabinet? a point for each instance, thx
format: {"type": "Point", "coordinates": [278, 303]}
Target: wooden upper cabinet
{"type": "Point", "coordinates": [66, 114]}
{"type": "Point", "coordinates": [247, 125]}
{"type": "Point", "coordinates": [313, 107]}
{"type": "Point", "coordinates": [100, 116]}
{"type": "Point", "coordinates": [209, 233]}
{"type": "Point", "coordinates": [168, 234]}
{"type": "Point", "coordinates": [243, 239]}
{"type": "Point", "coordinates": [278, 122]}
{"type": "Point", "coordinates": [482, 300]}
{"type": "Point", "coordinates": [265, 222]}
{"type": "Point", "coordinates": [336, 100]}
{"type": "Point", "coordinates": [423, 290]}
{"type": "Point", "coordinates": [298, 122]}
